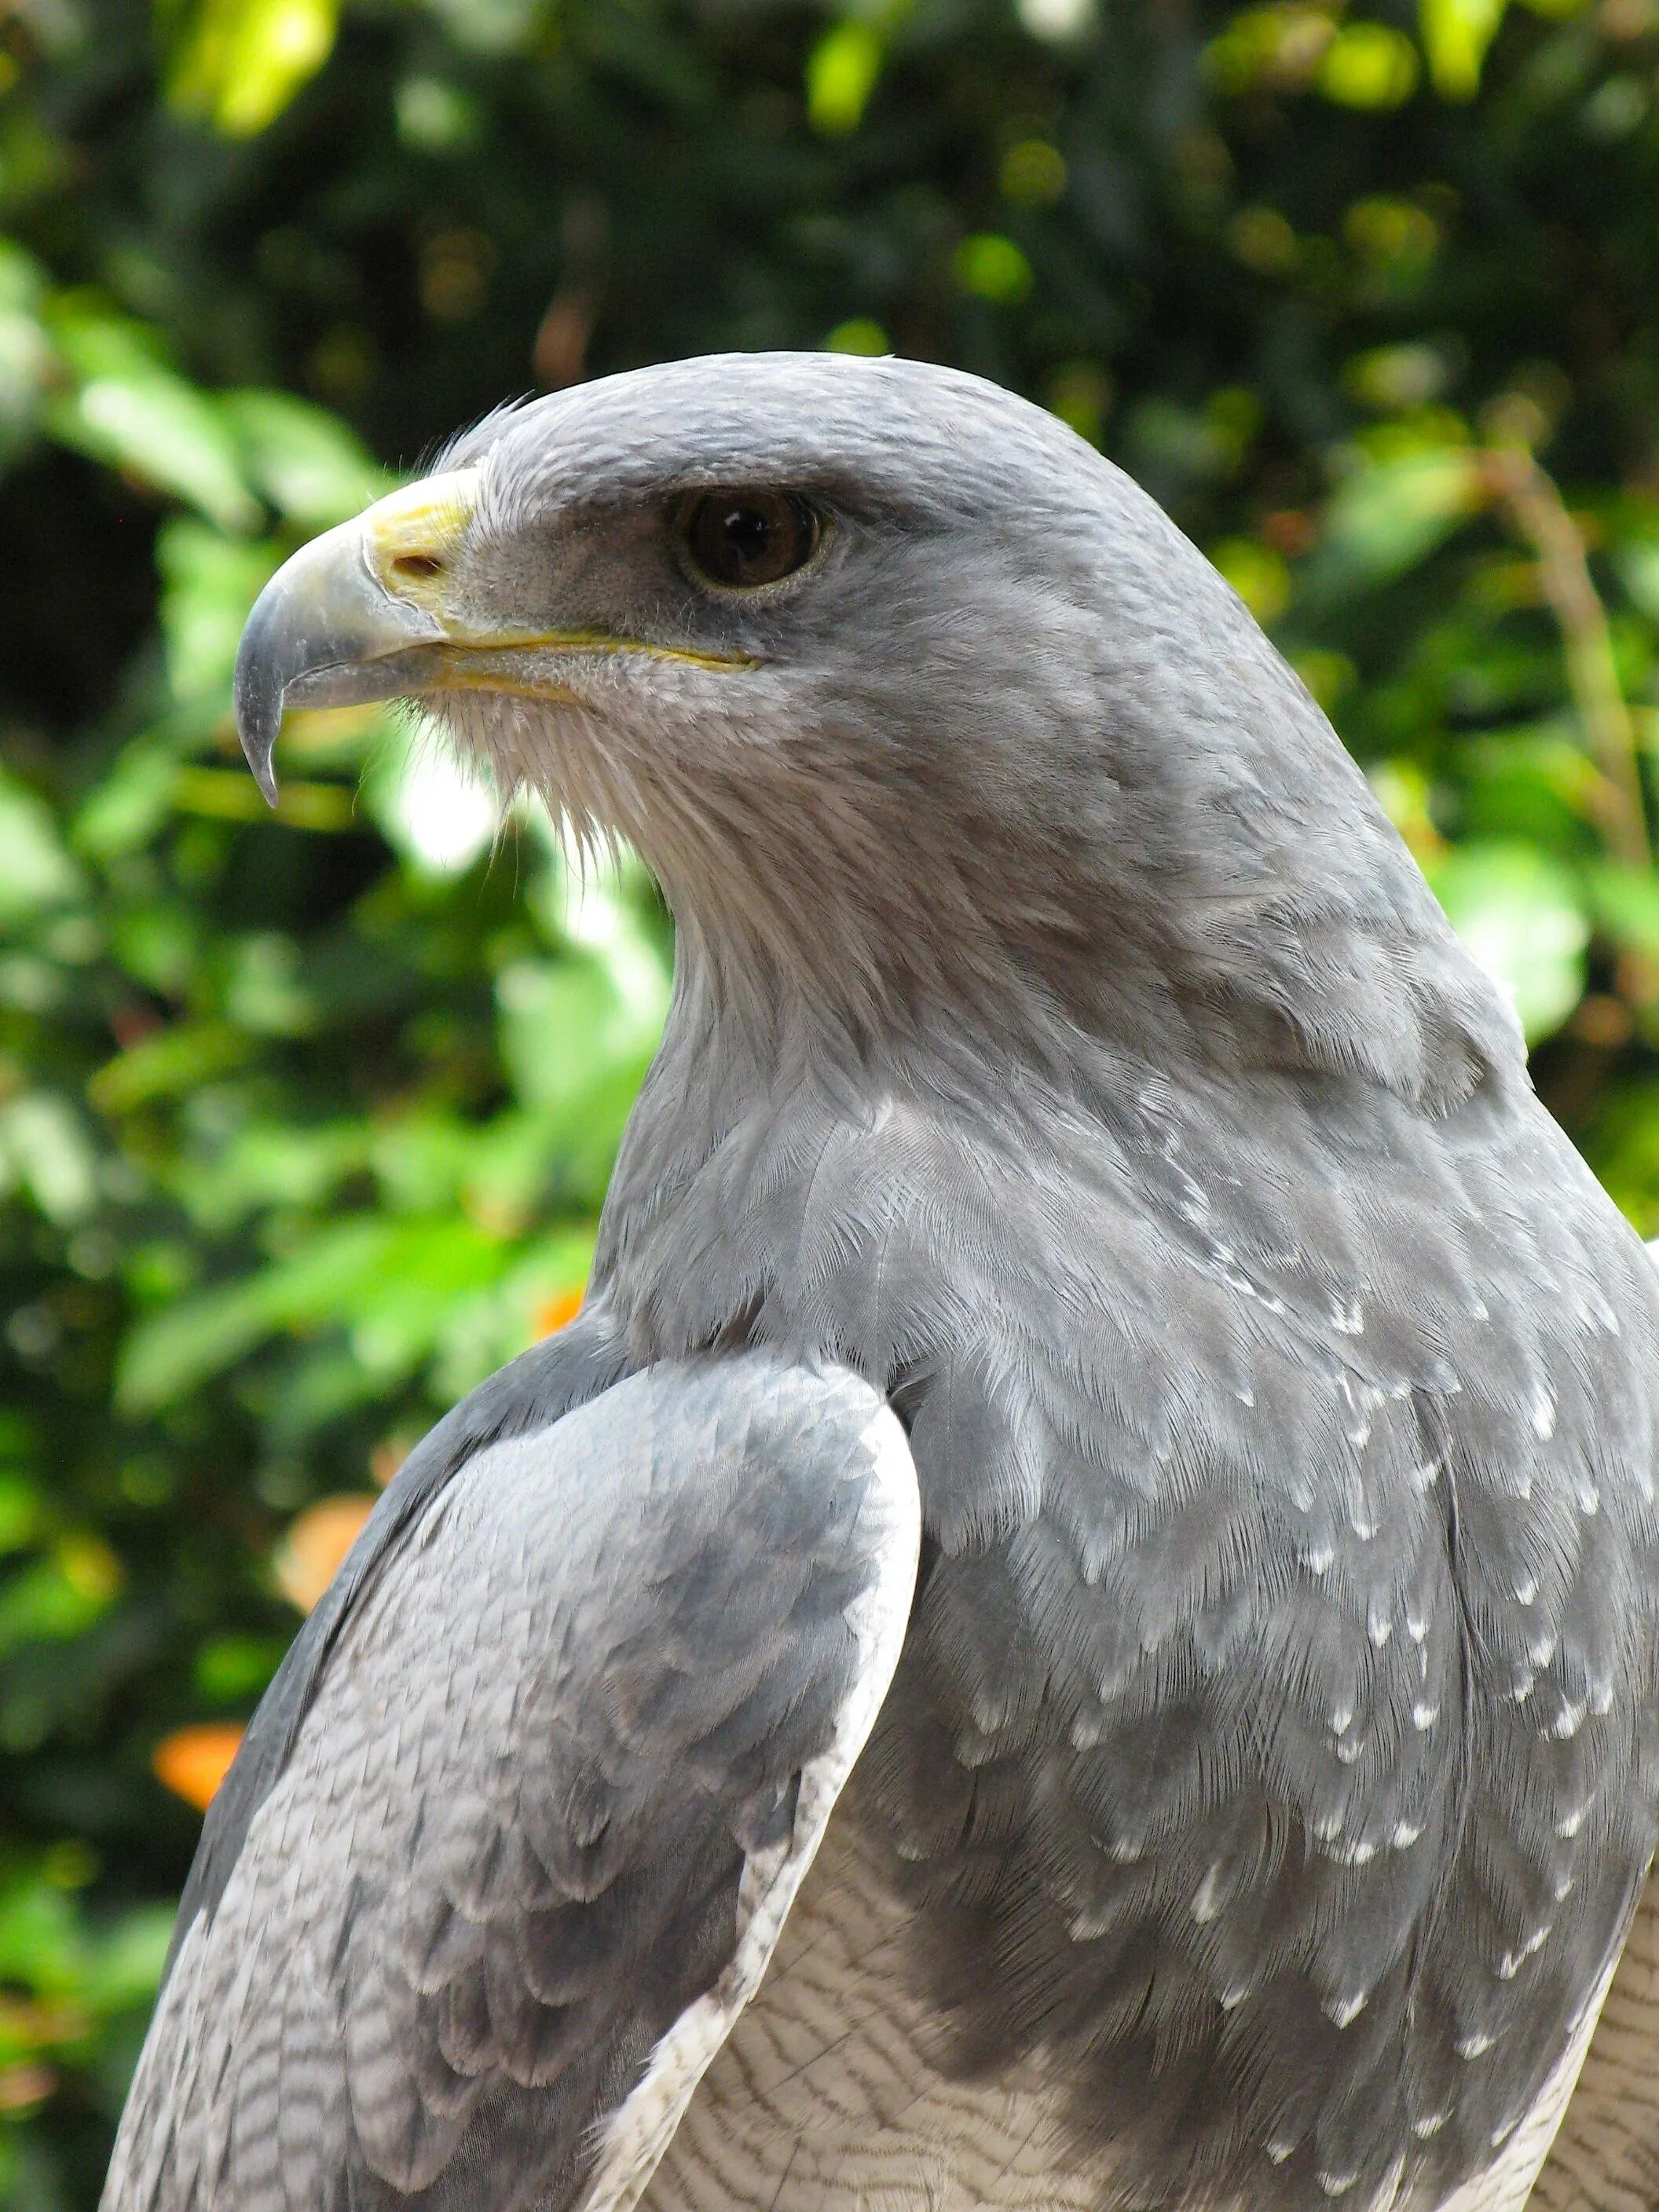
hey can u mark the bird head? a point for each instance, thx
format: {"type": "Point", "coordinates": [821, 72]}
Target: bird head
{"type": "Point", "coordinates": [906, 696]}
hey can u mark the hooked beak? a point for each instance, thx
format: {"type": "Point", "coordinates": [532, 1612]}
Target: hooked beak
{"type": "Point", "coordinates": [371, 611]}
{"type": "Point", "coordinates": [357, 615]}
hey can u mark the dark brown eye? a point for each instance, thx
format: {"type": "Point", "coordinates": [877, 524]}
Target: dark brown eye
{"type": "Point", "coordinates": [743, 539]}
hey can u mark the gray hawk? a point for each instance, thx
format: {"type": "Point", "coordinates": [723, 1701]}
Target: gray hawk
{"type": "Point", "coordinates": [1074, 1623]}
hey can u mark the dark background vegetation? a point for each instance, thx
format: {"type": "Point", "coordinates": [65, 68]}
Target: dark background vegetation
{"type": "Point", "coordinates": [304, 1120]}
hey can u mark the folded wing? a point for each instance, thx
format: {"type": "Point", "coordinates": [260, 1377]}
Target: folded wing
{"type": "Point", "coordinates": [572, 1746]}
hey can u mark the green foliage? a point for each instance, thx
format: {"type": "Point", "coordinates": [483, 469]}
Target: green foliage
{"type": "Point", "coordinates": [305, 1118]}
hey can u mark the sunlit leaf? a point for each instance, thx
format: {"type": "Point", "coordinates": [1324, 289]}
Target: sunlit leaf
{"type": "Point", "coordinates": [209, 580]}
{"type": "Point", "coordinates": [1368, 65]}
{"type": "Point", "coordinates": [127, 407]}
{"type": "Point", "coordinates": [1455, 36]}
{"type": "Point", "coordinates": [240, 61]}
{"type": "Point", "coordinates": [305, 462]}
{"type": "Point", "coordinates": [1388, 514]}
{"type": "Point", "coordinates": [35, 871]}
{"type": "Point", "coordinates": [1524, 918]}
{"type": "Point", "coordinates": [841, 75]}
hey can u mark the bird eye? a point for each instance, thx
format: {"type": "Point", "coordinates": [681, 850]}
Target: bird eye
{"type": "Point", "coordinates": [743, 539]}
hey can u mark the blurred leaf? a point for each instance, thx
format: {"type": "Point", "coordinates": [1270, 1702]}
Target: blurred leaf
{"type": "Point", "coordinates": [35, 871]}
{"type": "Point", "coordinates": [1455, 36]}
{"type": "Point", "coordinates": [240, 61]}
{"type": "Point", "coordinates": [1368, 65]}
{"type": "Point", "coordinates": [48, 1150]}
{"type": "Point", "coordinates": [128, 408]}
{"type": "Point", "coordinates": [209, 582]}
{"type": "Point", "coordinates": [841, 76]}
{"type": "Point", "coordinates": [161, 1065]}
{"type": "Point", "coordinates": [1523, 919]}
{"type": "Point", "coordinates": [305, 463]}
{"type": "Point", "coordinates": [1623, 902]}
{"type": "Point", "coordinates": [1388, 514]}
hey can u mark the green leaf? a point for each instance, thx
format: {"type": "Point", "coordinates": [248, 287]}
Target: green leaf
{"type": "Point", "coordinates": [1523, 915]}
{"type": "Point", "coordinates": [49, 1152]}
{"type": "Point", "coordinates": [1455, 36]}
{"type": "Point", "coordinates": [35, 871]}
{"type": "Point", "coordinates": [209, 580]}
{"type": "Point", "coordinates": [305, 462]}
{"type": "Point", "coordinates": [240, 61]}
{"type": "Point", "coordinates": [129, 408]}
{"type": "Point", "coordinates": [842, 71]}
{"type": "Point", "coordinates": [1389, 515]}
{"type": "Point", "coordinates": [161, 1067]}
{"type": "Point", "coordinates": [1624, 903]}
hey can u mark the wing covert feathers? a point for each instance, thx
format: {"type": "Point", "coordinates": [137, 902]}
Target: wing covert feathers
{"type": "Point", "coordinates": [574, 1743]}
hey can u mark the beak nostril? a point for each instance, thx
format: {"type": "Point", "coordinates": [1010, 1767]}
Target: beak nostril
{"type": "Point", "coordinates": [417, 566]}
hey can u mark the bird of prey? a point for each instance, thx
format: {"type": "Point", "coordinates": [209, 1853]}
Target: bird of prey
{"type": "Point", "coordinates": [1072, 1626]}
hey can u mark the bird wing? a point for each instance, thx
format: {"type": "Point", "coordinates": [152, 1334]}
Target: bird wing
{"type": "Point", "coordinates": [522, 1398]}
{"type": "Point", "coordinates": [571, 1749]}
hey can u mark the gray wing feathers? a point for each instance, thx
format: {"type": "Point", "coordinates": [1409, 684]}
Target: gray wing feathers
{"type": "Point", "coordinates": [574, 1743]}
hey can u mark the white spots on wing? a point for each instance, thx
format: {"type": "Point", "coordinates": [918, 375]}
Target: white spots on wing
{"type": "Point", "coordinates": [1360, 1854]}
{"type": "Point", "coordinates": [1244, 1395]}
{"type": "Point", "coordinates": [1406, 1834]}
{"type": "Point", "coordinates": [1128, 1849]}
{"type": "Point", "coordinates": [1474, 2046]}
{"type": "Point", "coordinates": [1431, 2124]}
{"type": "Point", "coordinates": [1424, 1716]}
{"type": "Point", "coordinates": [1319, 1559]}
{"type": "Point", "coordinates": [1417, 1626]}
{"type": "Point", "coordinates": [1348, 1320]}
{"type": "Point", "coordinates": [1349, 1747]}
{"type": "Point", "coordinates": [1569, 1823]}
{"type": "Point", "coordinates": [1207, 1905]}
{"type": "Point", "coordinates": [1543, 1651]}
{"type": "Point", "coordinates": [1601, 1695]}
{"type": "Point", "coordinates": [1378, 1626]}
{"type": "Point", "coordinates": [1543, 1413]}
{"type": "Point", "coordinates": [1525, 1590]}
{"type": "Point", "coordinates": [1361, 1402]}
{"type": "Point", "coordinates": [1501, 2135]}
{"type": "Point", "coordinates": [1563, 1886]}
{"type": "Point", "coordinates": [1342, 2011]}
{"type": "Point", "coordinates": [1328, 1827]}
{"type": "Point", "coordinates": [1363, 1526]}
{"type": "Point", "coordinates": [1568, 1721]}
{"type": "Point", "coordinates": [1085, 1927]}
{"type": "Point", "coordinates": [1512, 1961]}
{"type": "Point", "coordinates": [1522, 1687]}
{"type": "Point", "coordinates": [1233, 1998]}
{"type": "Point", "coordinates": [1589, 1498]}
{"type": "Point", "coordinates": [1424, 1477]}
{"type": "Point", "coordinates": [1279, 2151]}
{"type": "Point", "coordinates": [1337, 2185]}
{"type": "Point", "coordinates": [1342, 1720]}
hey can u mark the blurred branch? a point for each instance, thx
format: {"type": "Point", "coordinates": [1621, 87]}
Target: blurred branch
{"type": "Point", "coordinates": [1533, 505]}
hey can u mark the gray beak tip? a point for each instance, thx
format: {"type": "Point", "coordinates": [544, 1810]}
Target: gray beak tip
{"type": "Point", "coordinates": [259, 718]}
